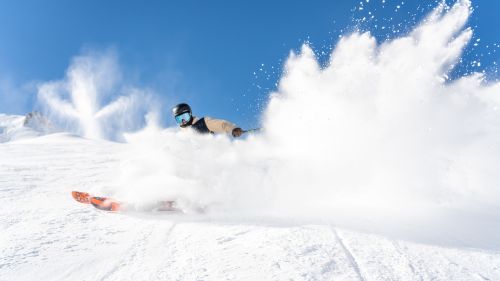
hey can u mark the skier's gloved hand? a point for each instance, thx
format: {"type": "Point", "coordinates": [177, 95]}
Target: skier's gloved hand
{"type": "Point", "coordinates": [237, 132]}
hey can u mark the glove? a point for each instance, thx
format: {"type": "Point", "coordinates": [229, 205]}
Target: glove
{"type": "Point", "coordinates": [237, 132]}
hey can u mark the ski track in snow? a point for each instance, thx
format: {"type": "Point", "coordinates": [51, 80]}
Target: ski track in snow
{"type": "Point", "coordinates": [45, 235]}
{"type": "Point", "coordinates": [349, 255]}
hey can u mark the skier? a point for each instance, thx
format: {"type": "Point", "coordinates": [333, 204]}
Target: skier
{"type": "Point", "coordinates": [205, 125]}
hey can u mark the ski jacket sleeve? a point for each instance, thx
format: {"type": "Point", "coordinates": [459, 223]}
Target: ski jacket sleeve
{"type": "Point", "coordinates": [219, 126]}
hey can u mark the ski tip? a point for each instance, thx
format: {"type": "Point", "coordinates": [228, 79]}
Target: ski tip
{"type": "Point", "coordinates": [105, 204]}
{"type": "Point", "coordinates": [82, 197]}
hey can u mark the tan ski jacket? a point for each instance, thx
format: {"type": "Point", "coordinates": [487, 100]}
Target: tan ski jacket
{"type": "Point", "coordinates": [216, 125]}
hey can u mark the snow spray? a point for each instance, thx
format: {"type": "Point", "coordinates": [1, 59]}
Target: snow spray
{"type": "Point", "coordinates": [378, 134]}
{"type": "Point", "coordinates": [379, 125]}
{"type": "Point", "coordinates": [77, 103]}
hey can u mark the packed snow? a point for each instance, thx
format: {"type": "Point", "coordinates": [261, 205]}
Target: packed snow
{"type": "Point", "coordinates": [376, 166]}
{"type": "Point", "coordinates": [48, 236]}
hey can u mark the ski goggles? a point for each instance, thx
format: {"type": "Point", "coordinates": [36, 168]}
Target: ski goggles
{"type": "Point", "coordinates": [184, 117]}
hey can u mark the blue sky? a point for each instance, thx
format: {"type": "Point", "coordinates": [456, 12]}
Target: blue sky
{"type": "Point", "coordinates": [223, 57]}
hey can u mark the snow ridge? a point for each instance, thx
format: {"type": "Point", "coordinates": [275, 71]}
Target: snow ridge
{"type": "Point", "coordinates": [16, 127]}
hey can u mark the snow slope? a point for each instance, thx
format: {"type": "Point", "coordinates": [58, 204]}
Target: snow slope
{"type": "Point", "coordinates": [45, 235]}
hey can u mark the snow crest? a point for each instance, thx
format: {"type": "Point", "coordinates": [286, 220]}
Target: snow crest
{"type": "Point", "coordinates": [15, 127]}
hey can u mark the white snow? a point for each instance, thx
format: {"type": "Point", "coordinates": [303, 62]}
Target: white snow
{"type": "Point", "coordinates": [45, 235]}
{"type": "Point", "coordinates": [16, 127]}
{"type": "Point", "coordinates": [93, 100]}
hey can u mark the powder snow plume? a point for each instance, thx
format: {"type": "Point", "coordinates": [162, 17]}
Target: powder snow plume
{"type": "Point", "coordinates": [93, 101]}
{"type": "Point", "coordinates": [377, 136]}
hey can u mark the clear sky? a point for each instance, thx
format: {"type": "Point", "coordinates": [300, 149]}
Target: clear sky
{"type": "Point", "coordinates": [222, 57]}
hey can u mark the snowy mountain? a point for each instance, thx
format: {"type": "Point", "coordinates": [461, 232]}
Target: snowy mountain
{"type": "Point", "coordinates": [45, 235]}
{"type": "Point", "coordinates": [16, 127]}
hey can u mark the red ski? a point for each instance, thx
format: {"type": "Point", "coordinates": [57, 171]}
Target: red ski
{"type": "Point", "coordinates": [109, 204]}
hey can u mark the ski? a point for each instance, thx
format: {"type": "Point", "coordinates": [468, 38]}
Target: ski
{"type": "Point", "coordinates": [82, 197]}
{"type": "Point", "coordinates": [106, 204]}
{"type": "Point", "coordinates": [111, 205]}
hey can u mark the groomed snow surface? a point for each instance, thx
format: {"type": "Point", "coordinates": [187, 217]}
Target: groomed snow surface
{"type": "Point", "coordinates": [45, 235]}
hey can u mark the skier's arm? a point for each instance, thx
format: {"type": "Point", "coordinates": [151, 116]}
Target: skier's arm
{"type": "Point", "coordinates": [220, 126]}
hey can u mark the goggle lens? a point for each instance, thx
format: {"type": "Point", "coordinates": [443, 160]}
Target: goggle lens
{"type": "Point", "coordinates": [186, 116]}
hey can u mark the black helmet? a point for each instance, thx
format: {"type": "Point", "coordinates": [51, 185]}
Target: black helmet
{"type": "Point", "coordinates": [182, 114]}
{"type": "Point", "coordinates": [181, 108]}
